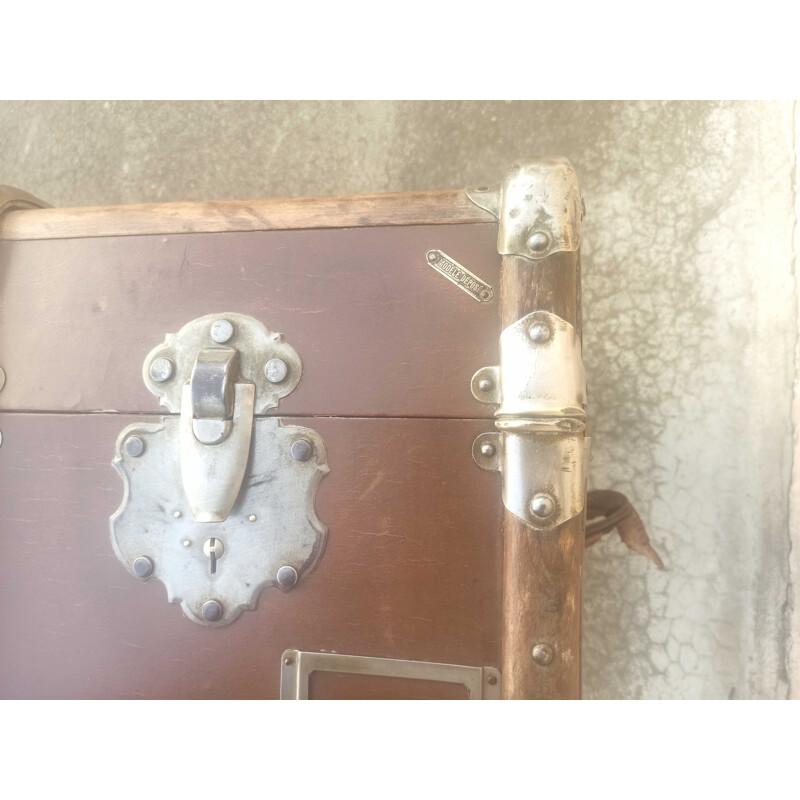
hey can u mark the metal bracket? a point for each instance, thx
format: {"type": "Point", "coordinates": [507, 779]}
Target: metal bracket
{"type": "Point", "coordinates": [248, 483]}
{"type": "Point", "coordinates": [540, 447]}
{"type": "Point", "coordinates": [481, 683]}
{"type": "Point", "coordinates": [542, 370]}
{"type": "Point", "coordinates": [543, 468]}
{"type": "Point", "coordinates": [539, 208]}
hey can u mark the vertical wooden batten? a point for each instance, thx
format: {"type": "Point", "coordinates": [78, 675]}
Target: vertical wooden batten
{"type": "Point", "coordinates": [539, 210]}
{"type": "Point", "coordinates": [542, 570]}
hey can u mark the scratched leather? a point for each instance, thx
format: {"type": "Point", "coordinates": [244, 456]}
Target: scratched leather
{"type": "Point", "coordinates": [689, 307]}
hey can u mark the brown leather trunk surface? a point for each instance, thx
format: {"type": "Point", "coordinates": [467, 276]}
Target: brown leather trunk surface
{"type": "Point", "coordinates": [413, 562]}
{"type": "Point", "coordinates": [379, 332]}
{"type": "Point", "coordinates": [411, 570]}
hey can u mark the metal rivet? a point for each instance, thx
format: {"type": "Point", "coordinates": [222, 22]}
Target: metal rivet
{"type": "Point", "coordinates": [539, 333]}
{"type": "Point", "coordinates": [286, 577]}
{"type": "Point", "coordinates": [221, 331]}
{"type": "Point", "coordinates": [134, 446]}
{"type": "Point", "coordinates": [213, 547]}
{"type": "Point", "coordinates": [276, 370]}
{"type": "Point", "coordinates": [538, 242]}
{"type": "Point", "coordinates": [287, 661]}
{"type": "Point", "coordinates": [161, 369]}
{"type": "Point", "coordinates": [252, 518]}
{"type": "Point", "coordinates": [177, 514]}
{"type": "Point", "coordinates": [431, 256]}
{"type": "Point", "coordinates": [543, 654]}
{"type": "Point", "coordinates": [485, 385]}
{"type": "Point", "coordinates": [142, 567]}
{"type": "Point", "coordinates": [491, 680]}
{"type": "Point", "coordinates": [487, 448]}
{"type": "Point", "coordinates": [212, 610]}
{"type": "Point", "coordinates": [543, 505]}
{"type": "Point", "coordinates": [187, 543]}
{"type": "Point", "coordinates": [301, 450]}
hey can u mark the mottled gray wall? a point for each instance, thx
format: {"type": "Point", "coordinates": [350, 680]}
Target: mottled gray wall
{"type": "Point", "coordinates": [690, 312]}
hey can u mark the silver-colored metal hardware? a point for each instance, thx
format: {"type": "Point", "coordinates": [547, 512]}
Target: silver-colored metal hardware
{"type": "Point", "coordinates": [142, 567]}
{"type": "Point", "coordinates": [221, 331]}
{"type": "Point", "coordinates": [134, 446]}
{"type": "Point", "coordinates": [543, 505]}
{"type": "Point", "coordinates": [2, 378]}
{"type": "Point", "coordinates": [487, 449]}
{"type": "Point", "coordinates": [161, 370]}
{"type": "Point", "coordinates": [543, 654]}
{"type": "Point", "coordinates": [481, 683]}
{"type": "Point", "coordinates": [211, 391]}
{"type": "Point", "coordinates": [538, 242]}
{"type": "Point", "coordinates": [212, 479]}
{"type": "Point", "coordinates": [286, 577]}
{"type": "Point", "coordinates": [212, 611]}
{"type": "Point", "coordinates": [486, 385]}
{"type": "Point", "coordinates": [213, 548]}
{"type": "Point", "coordinates": [276, 370]}
{"type": "Point", "coordinates": [459, 275]}
{"type": "Point", "coordinates": [540, 459]}
{"type": "Point", "coordinates": [539, 208]}
{"type": "Point", "coordinates": [301, 450]}
{"type": "Point", "coordinates": [540, 333]}
{"type": "Point", "coordinates": [229, 464]}
{"type": "Point", "coordinates": [540, 375]}
{"type": "Point", "coordinates": [255, 345]}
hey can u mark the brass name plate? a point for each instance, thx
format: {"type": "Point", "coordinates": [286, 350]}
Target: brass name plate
{"type": "Point", "coordinates": [475, 287]}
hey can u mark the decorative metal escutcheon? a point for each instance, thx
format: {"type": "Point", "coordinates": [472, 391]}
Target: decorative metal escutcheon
{"type": "Point", "coordinates": [219, 500]}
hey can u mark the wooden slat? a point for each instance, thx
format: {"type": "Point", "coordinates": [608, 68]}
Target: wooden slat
{"type": "Point", "coordinates": [407, 208]}
{"type": "Point", "coordinates": [542, 570]}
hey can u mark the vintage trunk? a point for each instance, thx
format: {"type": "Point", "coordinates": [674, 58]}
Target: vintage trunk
{"type": "Point", "coordinates": [304, 401]}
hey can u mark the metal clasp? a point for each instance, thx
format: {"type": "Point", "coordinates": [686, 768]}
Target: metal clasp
{"type": "Point", "coordinates": [217, 459]}
{"type": "Point", "coordinates": [215, 430]}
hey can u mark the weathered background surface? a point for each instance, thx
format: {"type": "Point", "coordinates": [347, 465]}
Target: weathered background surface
{"type": "Point", "coordinates": [690, 314]}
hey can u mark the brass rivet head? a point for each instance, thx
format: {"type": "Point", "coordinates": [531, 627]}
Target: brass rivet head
{"type": "Point", "coordinates": [286, 577]}
{"type": "Point", "coordinates": [134, 446]}
{"type": "Point", "coordinates": [543, 505]}
{"type": "Point", "coordinates": [301, 450]}
{"type": "Point", "coordinates": [221, 331]}
{"type": "Point", "coordinates": [161, 370]}
{"type": "Point", "coordinates": [539, 333]}
{"type": "Point", "coordinates": [539, 242]}
{"type": "Point", "coordinates": [143, 567]}
{"type": "Point", "coordinates": [543, 654]}
{"type": "Point", "coordinates": [212, 610]}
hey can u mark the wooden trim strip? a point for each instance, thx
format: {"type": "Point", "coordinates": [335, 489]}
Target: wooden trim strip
{"type": "Point", "coordinates": [344, 211]}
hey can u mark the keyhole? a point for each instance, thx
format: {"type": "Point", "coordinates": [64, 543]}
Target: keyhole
{"type": "Point", "coordinates": [213, 550]}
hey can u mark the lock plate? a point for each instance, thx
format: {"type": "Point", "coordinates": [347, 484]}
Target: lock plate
{"type": "Point", "coordinates": [219, 503]}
